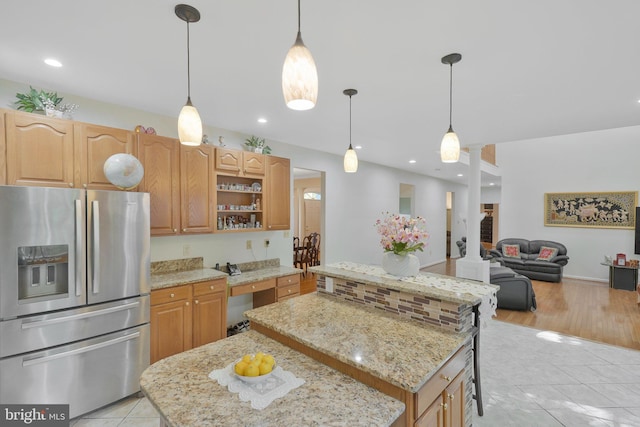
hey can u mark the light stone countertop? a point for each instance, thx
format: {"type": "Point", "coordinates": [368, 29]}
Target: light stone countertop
{"type": "Point", "coordinates": [453, 289]}
{"type": "Point", "coordinates": [402, 352]}
{"type": "Point", "coordinates": [180, 389]}
{"type": "Point", "coordinates": [165, 280]}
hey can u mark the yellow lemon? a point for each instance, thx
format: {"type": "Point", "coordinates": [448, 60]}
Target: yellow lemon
{"type": "Point", "coordinates": [269, 359]}
{"type": "Point", "coordinates": [265, 368]}
{"type": "Point", "coordinates": [252, 371]}
{"type": "Point", "coordinates": [240, 367]}
{"type": "Point", "coordinates": [259, 355]}
{"type": "Point", "coordinates": [246, 358]}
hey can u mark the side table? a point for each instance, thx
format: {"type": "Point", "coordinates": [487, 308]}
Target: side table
{"type": "Point", "coordinates": [622, 277]}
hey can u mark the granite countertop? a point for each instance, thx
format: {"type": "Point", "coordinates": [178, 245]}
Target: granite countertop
{"type": "Point", "coordinates": [402, 352]}
{"type": "Point", "coordinates": [180, 389]}
{"type": "Point", "coordinates": [165, 274]}
{"type": "Point", "coordinates": [454, 289]}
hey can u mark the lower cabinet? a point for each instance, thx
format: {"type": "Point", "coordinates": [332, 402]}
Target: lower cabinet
{"type": "Point", "coordinates": [269, 291]}
{"type": "Point", "coordinates": [183, 317]}
{"type": "Point", "coordinates": [288, 287]}
{"type": "Point", "coordinates": [440, 402]}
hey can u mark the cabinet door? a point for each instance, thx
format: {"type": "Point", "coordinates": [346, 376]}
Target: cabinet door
{"type": "Point", "coordinates": [454, 399]}
{"type": "Point", "coordinates": [253, 163]}
{"type": "Point", "coordinates": [197, 189]}
{"type": "Point", "coordinates": [160, 157]}
{"type": "Point", "coordinates": [228, 160]}
{"type": "Point", "coordinates": [40, 150]}
{"type": "Point", "coordinates": [171, 329]}
{"type": "Point", "coordinates": [278, 193]}
{"type": "Point", "coordinates": [209, 318]}
{"type": "Point", "coordinates": [97, 144]}
{"type": "Point", "coordinates": [433, 416]}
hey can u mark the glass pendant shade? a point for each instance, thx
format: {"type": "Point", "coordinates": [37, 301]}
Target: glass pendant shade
{"type": "Point", "coordinates": [350, 161]}
{"type": "Point", "coordinates": [450, 147]}
{"type": "Point", "coordinates": [299, 77]}
{"type": "Point", "coordinates": [189, 125]}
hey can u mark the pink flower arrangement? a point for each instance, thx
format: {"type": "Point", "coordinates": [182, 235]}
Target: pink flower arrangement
{"type": "Point", "coordinates": [400, 234]}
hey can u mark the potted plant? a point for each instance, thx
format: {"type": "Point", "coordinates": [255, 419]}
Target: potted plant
{"type": "Point", "coordinates": [48, 102]}
{"type": "Point", "coordinates": [257, 145]}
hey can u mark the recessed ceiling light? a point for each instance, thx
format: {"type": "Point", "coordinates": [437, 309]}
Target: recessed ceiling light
{"type": "Point", "coordinates": [460, 174]}
{"type": "Point", "coordinates": [358, 147]}
{"type": "Point", "coordinates": [412, 161]}
{"type": "Point", "coordinates": [53, 62]}
{"type": "Point", "coordinates": [492, 183]}
{"type": "Point", "coordinates": [262, 120]}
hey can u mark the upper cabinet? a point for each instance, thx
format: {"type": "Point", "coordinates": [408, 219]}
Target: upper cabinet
{"type": "Point", "coordinates": [47, 152]}
{"type": "Point", "coordinates": [243, 163]}
{"type": "Point", "coordinates": [278, 193]}
{"type": "Point", "coordinates": [40, 150]}
{"type": "Point", "coordinates": [160, 159]}
{"type": "Point", "coordinates": [180, 181]}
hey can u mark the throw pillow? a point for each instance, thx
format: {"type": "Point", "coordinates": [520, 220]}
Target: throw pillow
{"type": "Point", "coordinates": [511, 251]}
{"type": "Point", "coordinates": [547, 253]}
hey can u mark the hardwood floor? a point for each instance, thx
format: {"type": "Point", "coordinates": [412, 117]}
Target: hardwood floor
{"type": "Point", "coordinates": [580, 308]}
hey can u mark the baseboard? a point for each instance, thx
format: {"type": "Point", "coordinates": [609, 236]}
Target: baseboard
{"type": "Point", "coordinates": [433, 263]}
{"type": "Point", "coordinates": [588, 279]}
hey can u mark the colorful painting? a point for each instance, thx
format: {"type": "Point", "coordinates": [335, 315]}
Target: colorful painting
{"type": "Point", "coordinates": [597, 210]}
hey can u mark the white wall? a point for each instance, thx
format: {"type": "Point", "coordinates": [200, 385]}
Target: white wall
{"type": "Point", "coordinates": [592, 161]}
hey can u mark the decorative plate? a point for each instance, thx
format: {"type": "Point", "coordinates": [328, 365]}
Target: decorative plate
{"type": "Point", "coordinates": [123, 170]}
{"type": "Point", "coordinates": [256, 187]}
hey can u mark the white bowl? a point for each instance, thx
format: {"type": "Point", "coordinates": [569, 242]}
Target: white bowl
{"type": "Point", "coordinates": [252, 380]}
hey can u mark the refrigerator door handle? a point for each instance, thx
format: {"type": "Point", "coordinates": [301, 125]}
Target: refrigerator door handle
{"type": "Point", "coordinates": [89, 314]}
{"type": "Point", "coordinates": [96, 246]}
{"type": "Point", "coordinates": [38, 360]}
{"type": "Point", "coordinates": [78, 245]}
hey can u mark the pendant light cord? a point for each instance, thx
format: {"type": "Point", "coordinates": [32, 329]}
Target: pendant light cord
{"type": "Point", "coordinates": [350, 148]}
{"type": "Point", "coordinates": [450, 93]}
{"type": "Point", "coordinates": [298, 16]}
{"type": "Point", "coordinates": [188, 66]}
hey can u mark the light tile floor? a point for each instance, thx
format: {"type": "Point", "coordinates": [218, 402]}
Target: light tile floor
{"type": "Point", "coordinates": [529, 378]}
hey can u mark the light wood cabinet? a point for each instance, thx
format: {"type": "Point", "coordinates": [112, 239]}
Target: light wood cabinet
{"type": "Point", "coordinates": [188, 316]}
{"type": "Point", "coordinates": [40, 150]}
{"type": "Point", "coordinates": [242, 163]}
{"type": "Point", "coordinates": [3, 151]}
{"type": "Point", "coordinates": [171, 322]}
{"type": "Point", "coordinates": [288, 287]}
{"type": "Point", "coordinates": [95, 145]}
{"type": "Point", "coordinates": [197, 186]}
{"type": "Point", "coordinates": [159, 156]}
{"type": "Point", "coordinates": [278, 193]}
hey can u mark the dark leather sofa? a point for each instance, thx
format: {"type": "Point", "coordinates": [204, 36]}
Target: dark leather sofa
{"type": "Point", "coordinates": [516, 291]}
{"type": "Point", "coordinates": [527, 263]}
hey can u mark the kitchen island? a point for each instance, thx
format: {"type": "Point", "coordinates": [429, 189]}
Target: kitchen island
{"type": "Point", "coordinates": [181, 391]}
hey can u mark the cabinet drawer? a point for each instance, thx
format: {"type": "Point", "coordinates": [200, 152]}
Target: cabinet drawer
{"type": "Point", "coordinates": [289, 290]}
{"type": "Point", "coordinates": [210, 287]}
{"type": "Point", "coordinates": [440, 380]}
{"type": "Point", "coordinates": [250, 288]}
{"type": "Point", "coordinates": [293, 279]}
{"type": "Point", "coordinates": [161, 296]}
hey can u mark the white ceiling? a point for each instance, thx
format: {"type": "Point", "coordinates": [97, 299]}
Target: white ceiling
{"type": "Point", "coordinates": [529, 68]}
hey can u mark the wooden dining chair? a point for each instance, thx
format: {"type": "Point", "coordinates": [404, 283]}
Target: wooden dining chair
{"type": "Point", "coordinates": [314, 256]}
{"type": "Point", "coordinates": [303, 255]}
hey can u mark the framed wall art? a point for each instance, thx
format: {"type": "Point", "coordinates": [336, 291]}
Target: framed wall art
{"type": "Point", "coordinates": [596, 210]}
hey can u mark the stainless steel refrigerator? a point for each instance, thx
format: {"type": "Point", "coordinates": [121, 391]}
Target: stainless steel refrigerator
{"type": "Point", "coordinates": [74, 296]}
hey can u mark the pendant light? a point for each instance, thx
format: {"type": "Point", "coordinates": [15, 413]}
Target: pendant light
{"type": "Point", "coordinates": [299, 75]}
{"type": "Point", "coordinates": [350, 157]}
{"type": "Point", "coordinates": [450, 146]}
{"type": "Point", "coordinates": [189, 123]}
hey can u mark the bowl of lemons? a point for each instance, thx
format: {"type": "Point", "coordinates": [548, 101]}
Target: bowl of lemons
{"type": "Point", "coordinates": [253, 368]}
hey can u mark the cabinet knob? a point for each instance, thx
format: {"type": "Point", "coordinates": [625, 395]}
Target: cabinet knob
{"type": "Point", "coordinates": [71, 184]}
{"type": "Point", "coordinates": [173, 295]}
{"type": "Point", "coordinates": [175, 230]}
{"type": "Point", "coordinates": [289, 280]}
{"type": "Point", "coordinates": [198, 302]}
{"type": "Point", "coordinates": [84, 185]}
{"type": "Point", "coordinates": [253, 286]}
{"type": "Point", "coordinates": [269, 226]}
{"type": "Point", "coordinates": [184, 230]}
{"type": "Point", "coordinates": [211, 287]}
{"type": "Point", "coordinates": [451, 396]}
{"type": "Point", "coordinates": [444, 406]}
{"type": "Point", "coordinates": [186, 303]}
{"type": "Point", "coordinates": [446, 378]}
{"type": "Point", "coordinates": [289, 290]}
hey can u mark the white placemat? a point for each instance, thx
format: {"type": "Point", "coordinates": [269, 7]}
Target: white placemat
{"type": "Point", "coordinates": [261, 394]}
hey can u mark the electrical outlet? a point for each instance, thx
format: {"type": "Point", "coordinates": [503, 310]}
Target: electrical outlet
{"type": "Point", "coordinates": [286, 234]}
{"type": "Point", "coordinates": [186, 250]}
{"type": "Point", "coordinates": [266, 243]}
{"type": "Point", "coordinates": [248, 244]}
